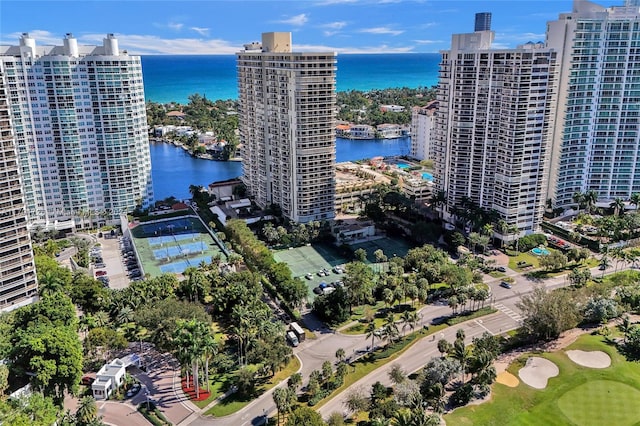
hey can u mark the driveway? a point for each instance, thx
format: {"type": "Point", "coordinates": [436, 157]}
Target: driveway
{"type": "Point", "coordinates": [120, 413]}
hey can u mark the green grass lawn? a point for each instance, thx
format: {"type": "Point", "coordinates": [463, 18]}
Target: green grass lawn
{"type": "Point", "coordinates": [578, 396]}
{"type": "Point", "coordinates": [236, 402]}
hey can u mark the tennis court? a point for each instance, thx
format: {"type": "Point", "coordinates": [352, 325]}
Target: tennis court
{"type": "Point", "coordinates": [310, 260]}
{"type": "Point", "coordinates": [391, 247]}
{"type": "Point", "coordinates": [173, 245]}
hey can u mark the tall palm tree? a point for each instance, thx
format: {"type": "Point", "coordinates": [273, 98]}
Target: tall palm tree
{"type": "Point", "coordinates": [409, 319]}
{"type": "Point", "coordinates": [438, 199]}
{"type": "Point", "coordinates": [590, 200]}
{"type": "Point", "coordinates": [390, 329]}
{"type": "Point", "coordinates": [635, 199]}
{"type": "Point", "coordinates": [579, 199]}
{"type": "Point", "coordinates": [618, 206]}
{"type": "Point", "coordinates": [340, 354]}
{"type": "Point", "coordinates": [210, 350]}
{"type": "Point", "coordinates": [372, 332]}
{"type": "Point", "coordinates": [604, 263]}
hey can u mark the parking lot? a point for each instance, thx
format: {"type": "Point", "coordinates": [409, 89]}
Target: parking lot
{"type": "Point", "coordinates": [115, 254]}
{"type": "Point", "coordinates": [314, 264]}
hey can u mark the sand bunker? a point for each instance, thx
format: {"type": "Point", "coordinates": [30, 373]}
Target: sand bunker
{"type": "Point", "coordinates": [507, 379]}
{"type": "Point", "coordinates": [537, 372]}
{"type": "Point", "coordinates": [592, 359]}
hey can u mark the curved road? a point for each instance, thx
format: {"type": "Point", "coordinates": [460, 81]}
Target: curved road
{"type": "Point", "coordinates": [313, 352]}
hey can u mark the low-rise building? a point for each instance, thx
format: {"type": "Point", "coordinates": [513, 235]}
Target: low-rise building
{"type": "Point", "coordinates": [392, 108]}
{"type": "Point", "coordinates": [108, 379]}
{"type": "Point", "coordinates": [353, 230]}
{"type": "Point", "coordinates": [362, 131]}
{"type": "Point", "coordinates": [389, 131]}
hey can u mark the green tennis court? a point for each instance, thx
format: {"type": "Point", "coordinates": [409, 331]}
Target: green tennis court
{"type": "Point", "coordinates": [310, 260]}
{"type": "Point", "coordinates": [391, 247]}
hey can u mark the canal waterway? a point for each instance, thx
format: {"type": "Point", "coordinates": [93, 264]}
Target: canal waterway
{"type": "Point", "coordinates": [174, 170]}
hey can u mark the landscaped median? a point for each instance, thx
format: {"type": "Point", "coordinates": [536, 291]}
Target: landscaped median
{"type": "Point", "coordinates": [235, 402]}
{"type": "Point", "coordinates": [389, 353]}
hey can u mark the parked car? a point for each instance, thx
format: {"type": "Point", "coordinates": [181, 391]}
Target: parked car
{"type": "Point", "coordinates": [133, 390]}
{"type": "Point", "coordinates": [101, 273]}
{"type": "Point", "coordinates": [87, 380]}
{"type": "Point", "coordinates": [309, 276]}
{"type": "Point", "coordinates": [505, 284]}
{"type": "Point", "coordinates": [501, 269]}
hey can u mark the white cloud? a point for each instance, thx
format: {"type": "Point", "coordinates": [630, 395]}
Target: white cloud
{"type": "Point", "coordinates": [519, 37]}
{"type": "Point", "coordinates": [367, 49]}
{"type": "Point", "coordinates": [381, 30]}
{"type": "Point", "coordinates": [297, 20]}
{"type": "Point", "coordinates": [202, 31]}
{"type": "Point", "coordinates": [338, 25]}
{"type": "Point", "coordinates": [140, 44]}
{"type": "Point", "coordinates": [42, 37]}
{"type": "Point", "coordinates": [427, 41]}
{"type": "Point", "coordinates": [332, 2]}
{"type": "Point", "coordinates": [176, 26]}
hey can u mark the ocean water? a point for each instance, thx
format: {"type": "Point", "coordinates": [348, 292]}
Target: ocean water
{"type": "Point", "coordinates": [172, 78]}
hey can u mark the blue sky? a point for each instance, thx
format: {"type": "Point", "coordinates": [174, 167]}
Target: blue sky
{"type": "Point", "coordinates": [223, 26]}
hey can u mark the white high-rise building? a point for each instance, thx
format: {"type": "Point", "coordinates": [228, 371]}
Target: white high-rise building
{"type": "Point", "coordinates": [422, 121]}
{"type": "Point", "coordinates": [287, 127]}
{"type": "Point", "coordinates": [79, 119]}
{"type": "Point", "coordinates": [18, 284]}
{"type": "Point", "coordinates": [597, 139]}
{"type": "Point", "coordinates": [492, 135]}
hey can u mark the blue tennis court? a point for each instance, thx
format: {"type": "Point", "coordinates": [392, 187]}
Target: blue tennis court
{"type": "Point", "coordinates": [166, 239]}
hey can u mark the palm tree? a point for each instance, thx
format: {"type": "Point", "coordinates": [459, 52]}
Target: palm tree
{"type": "Point", "coordinates": [618, 206]}
{"type": "Point", "coordinates": [294, 381]}
{"type": "Point", "coordinates": [443, 347]}
{"type": "Point", "coordinates": [282, 399]}
{"type": "Point", "coordinates": [87, 411]}
{"type": "Point", "coordinates": [340, 354]}
{"type": "Point", "coordinates": [372, 332]}
{"type": "Point", "coordinates": [51, 282]}
{"type": "Point", "coordinates": [579, 199]}
{"type": "Point", "coordinates": [604, 263]}
{"type": "Point", "coordinates": [390, 329]}
{"type": "Point", "coordinates": [590, 200]}
{"type": "Point", "coordinates": [635, 199]}
{"type": "Point", "coordinates": [438, 199]}
{"type": "Point", "coordinates": [462, 353]}
{"type": "Point", "coordinates": [210, 350]}
{"type": "Point", "coordinates": [409, 319]}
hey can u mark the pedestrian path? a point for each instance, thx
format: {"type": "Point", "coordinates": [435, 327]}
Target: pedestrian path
{"type": "Point", "coordinates": [508, 312]}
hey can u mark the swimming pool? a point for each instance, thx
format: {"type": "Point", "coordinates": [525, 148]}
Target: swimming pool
{"type": "Point", "coordinates": [540, 251]}
{"type": "Point", "coordinates": [403, 166]}
{"type": "Point", "coordinates": [427, 176]}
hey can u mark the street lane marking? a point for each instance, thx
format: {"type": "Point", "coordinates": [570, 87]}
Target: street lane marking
{"type": "Point", "coordinates": [508, 312]}
{"type": "Point", "coordinates": [479, 322]}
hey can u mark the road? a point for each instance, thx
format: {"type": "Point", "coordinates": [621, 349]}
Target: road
{"type": "Point", "coordinates": [313, 352]}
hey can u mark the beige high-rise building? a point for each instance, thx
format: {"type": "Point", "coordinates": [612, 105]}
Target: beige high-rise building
{"type": "Point", "coordinates": [492, 133]}
{"type": "Point", "coordinates": [287, 127]}
{"type": "Point", "coordinates": [18, 284]}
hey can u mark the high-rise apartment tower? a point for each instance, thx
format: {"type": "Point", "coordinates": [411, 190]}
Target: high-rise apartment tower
{"type": "Point", "coordinates": [79, 121]}
{"type": "Point", "coordinates": [597, 139]}
{"type": "Point", "coordinates": [287, 127]}
{"type": "Point", "coordinates": [17, 270]}
{"type": "Point", "coordinates": [492, 135]}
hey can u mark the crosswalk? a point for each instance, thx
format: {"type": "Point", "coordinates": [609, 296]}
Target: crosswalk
{"type": "Point", "coordinates": [508, 312]}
